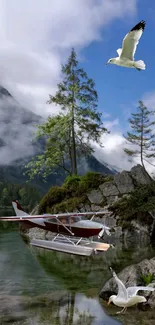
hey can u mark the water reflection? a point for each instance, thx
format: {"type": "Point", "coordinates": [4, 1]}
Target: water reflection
{"type": "Point", "coordinates": [76, 309]}
{"type": "Point", "coordinates": [38, 287]}
{"type": "Point", "coordinates": [71, 309]}
{"type": "Point", "coordinates": [20, 273]}
{"type": "Point", "coordinates": [85, 273]}
{"type": "Point", "coordinates": [28, 295]}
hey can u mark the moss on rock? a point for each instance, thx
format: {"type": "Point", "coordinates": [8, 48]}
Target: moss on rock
{"type": "Point", "coordinates": [72, 193]}
{"type": "Point", "coordinates": [69, 205]}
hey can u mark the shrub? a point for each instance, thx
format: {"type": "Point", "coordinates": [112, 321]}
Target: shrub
{"type": "Point", "coordinates": [91, 180]}
{"type": "Point", "coordinates": [68, 205]}
{"type": "Point", "coordinates": [55, 195]}
{"type": "Point", "coordinates": [137, 204]}
{"type": "Point", "coordinates": [71, 193]}
{"type": "Point", "coordinates": [71, 183]}
{"type": "Point", "coordinates": [147, 279]}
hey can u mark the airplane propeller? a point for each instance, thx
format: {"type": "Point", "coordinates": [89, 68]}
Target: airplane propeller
{"type": "Point", "coordinates": [106, 230]}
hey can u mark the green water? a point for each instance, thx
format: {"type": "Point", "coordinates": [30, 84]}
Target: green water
{"type": "Point", "coordinates": [39, 287]}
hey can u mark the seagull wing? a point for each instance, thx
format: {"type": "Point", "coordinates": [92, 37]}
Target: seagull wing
{"type": "Point", "coordinates": [131, 41]}
{"type": "Point", "coordinates": [132, 291]}
{"type": "Point", "coordinates": [122, 292]}
{"type": "Point", "coordinates": [119, 51]}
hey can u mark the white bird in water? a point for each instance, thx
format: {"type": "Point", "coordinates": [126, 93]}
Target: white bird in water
{"type": "Point", "coordinates": [129, 45]}
{"type": "Point", "coordinates": [127, 297]}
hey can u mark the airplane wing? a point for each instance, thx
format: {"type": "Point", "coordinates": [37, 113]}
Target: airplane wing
{"type": "Point", "coordinates": [23, 218]}
{"type": "Point", "coordinates": [48, 216]}
{"type": "Point", "coordinates": [16, 218]}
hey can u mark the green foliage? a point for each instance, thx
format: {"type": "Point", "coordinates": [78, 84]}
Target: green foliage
{"type": "Point", "coordinates": [69, 205]}
{"type": "Point", "coordinates": [56, 152]}
{"type": "Point", "coordinates": [142, 137]}
{"type": "Point", "coordinates": [72, 193]}
{"type": "Point", "coordinates": [54, 196]}
{"type": "Point", "coordinates": [81, 184]}
{"type": "Point", "coordinates": [72, 182]}
{"type": "Point", "coordinates": [91, 180]}
{"type": "Point", "coordinates": [27, 195]}
{"type": "Point", "coordinates": [137, 204]}
{"type": "Point", "coordinates": [147, 279]}
{"type": "Point", "coordinates": [69, 134]}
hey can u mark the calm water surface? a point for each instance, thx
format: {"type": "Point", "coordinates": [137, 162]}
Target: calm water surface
{"type": "Point", "coordinates": [39, 287]}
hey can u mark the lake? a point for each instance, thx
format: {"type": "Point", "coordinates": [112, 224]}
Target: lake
{"type": "Point", "coordinates": [39, 287]}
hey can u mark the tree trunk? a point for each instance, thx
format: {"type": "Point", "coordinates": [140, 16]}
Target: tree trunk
{"type": "Point", "coordinates": [74, 160]}
{"type": "Point", "coordinates": [141, 147]}
{"type": "Point", "coordinates": [70, 151]}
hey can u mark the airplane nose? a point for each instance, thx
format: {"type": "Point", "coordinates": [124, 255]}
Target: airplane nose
{"type": "Point", "coordinates": [106, 230]}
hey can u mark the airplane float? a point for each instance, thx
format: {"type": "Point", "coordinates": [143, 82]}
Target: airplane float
{"type": "Point", "coordinates": [71, 231]}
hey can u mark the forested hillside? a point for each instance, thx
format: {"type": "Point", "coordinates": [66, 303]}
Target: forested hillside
{"type": "Point", "coordinates": [27, 195]}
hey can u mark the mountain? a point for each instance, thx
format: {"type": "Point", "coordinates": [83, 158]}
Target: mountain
{"type": "Point", "coordinates": [17, 126]}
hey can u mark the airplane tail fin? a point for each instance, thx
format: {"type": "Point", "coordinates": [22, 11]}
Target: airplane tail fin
{"type": "Point", "coordinates": [18, 209]}
{"type": "Point", "coordinates": [20, 213]}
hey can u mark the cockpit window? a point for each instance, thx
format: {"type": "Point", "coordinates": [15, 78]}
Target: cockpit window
{"type": "Point", "coordinates": [52, 220]}
{"type": "Point", "coordinates": [74, 219]}
{"type": "Point", "coordinates": [63, 220]}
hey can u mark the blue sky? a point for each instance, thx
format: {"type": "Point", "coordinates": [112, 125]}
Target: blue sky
{"type": "Point", "coordinates": [36, 38]}
{"type": "Point", "coordinates": [120, 88]}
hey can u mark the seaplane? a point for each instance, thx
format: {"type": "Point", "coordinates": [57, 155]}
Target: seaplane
{"type": "Point", "coordinates": [71, 232]}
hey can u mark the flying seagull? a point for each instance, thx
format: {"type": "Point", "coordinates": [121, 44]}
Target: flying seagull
{"type": "Point", "coordinates": [127, 297]}
{"type": "Point", "coordinates": [129, 45]}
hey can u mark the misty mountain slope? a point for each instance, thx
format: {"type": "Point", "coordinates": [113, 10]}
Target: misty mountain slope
{"type": "Point", "coordinates": [15, 173]}
{"type": "Point", "coordinates": [10, 110]}
{"type": "Point", "coordinates": [17, 127]}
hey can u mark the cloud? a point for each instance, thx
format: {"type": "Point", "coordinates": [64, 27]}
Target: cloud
{"type": "Point", "coordinates": [113, 154]}
{"type": "Point", "coordinates": [17, 126]}
{"type": "Point", "coordinates": [109, 125]}
{"type": "Point", "coordinates": [149, 100]}
{"type": "Point", "coordinates": [36, 37]}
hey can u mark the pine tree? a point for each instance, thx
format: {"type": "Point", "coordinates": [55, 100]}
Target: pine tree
{"type": "Point", "coordinates": [71, 133]}
{"type": "Point", "coordinates": [142, 136]}
{"type": "Point", "coordinates": [77, 96]}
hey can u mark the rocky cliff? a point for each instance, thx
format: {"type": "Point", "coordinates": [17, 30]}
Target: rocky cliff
{"type": "Point", "coordinates": [128, 196]}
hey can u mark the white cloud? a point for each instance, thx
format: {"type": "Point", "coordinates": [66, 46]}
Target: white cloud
{"type": "Point", "coordinates": [113, 153]}
{"type": "Point", "coordinates": [109, 125]}
{"type": "Point", "coordinates": [36, 37]}
{"type": "Point", "coordinates": [149, 100]}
